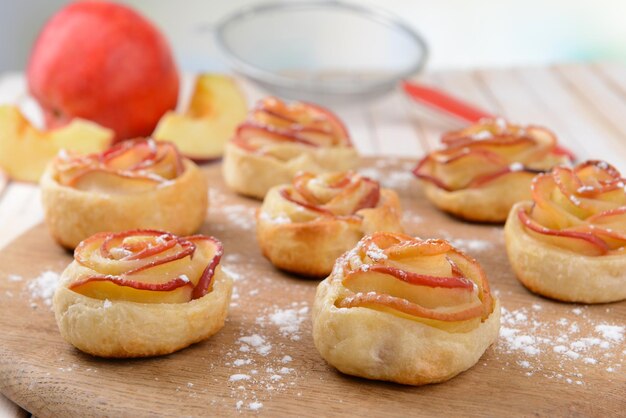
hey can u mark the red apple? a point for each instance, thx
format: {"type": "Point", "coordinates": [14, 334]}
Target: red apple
{"type": "Point", "coordinates": [104, 62]}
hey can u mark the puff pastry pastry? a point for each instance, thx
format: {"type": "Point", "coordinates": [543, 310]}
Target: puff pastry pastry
{"type": "Point", "coordinates": [135, 184]}
{"type": "Point", "coordinates": [406, 310]}
{"type": "Point", "coordinates": [278, 140]}
{"type": "Point", "coordinates": [304, 226]}
{"type": "Point", "coordinates": [142, 293]}
{"type": "Point", "coordinates": [486, 168]}
{"type": "Point", "coordinates": [569, 242]}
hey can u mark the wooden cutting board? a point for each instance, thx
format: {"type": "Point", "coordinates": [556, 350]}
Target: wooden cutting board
{"type": "Point", "coordinates": [552, 359]}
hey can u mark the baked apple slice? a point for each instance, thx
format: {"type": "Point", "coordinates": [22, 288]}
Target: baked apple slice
{"type": "Point", "coordinates": [483, 170]}
{"type": "Point", "coordinates": [403, 276]}
{"type": "Point", "coordinates": [580, 209]}
{"type": "Point", "coordinates": [147, 266]}
{"type": "Point", "coordinates": [217, 106]}
{"type": "Point", "coordinates": [25, 150]}
{"type": "Point", "coordinates": [142, 293]}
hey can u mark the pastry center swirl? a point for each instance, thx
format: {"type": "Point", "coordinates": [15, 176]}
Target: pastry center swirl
{"type": "Point", "coordinates": [336, 195]}
{"type": "Point", "coordinates": [580, 209]}
{"type": "Point", "coordinates": [281, 130]}
{"type": "Point", "coordinates": [477, 155]}
{"type": "Point", "coordinates": [128, 167]}
{"type": "Point", "coordinates": [146, 266]}
{"type": "Point", "coordinates": [421, 280]}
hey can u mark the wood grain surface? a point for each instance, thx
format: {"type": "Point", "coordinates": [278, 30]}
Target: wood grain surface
{"type": "Point", "coordinates": [49, 378]}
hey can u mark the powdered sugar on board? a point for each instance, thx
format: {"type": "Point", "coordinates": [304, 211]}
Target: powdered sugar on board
{"type": "Point", "coordinates": [573, 346]}
{"type": "Point", "coordinates": [42, 287]}
{"type": "Point", "coordinates": [262, 357]}
{"type": "Point", "coordinates": [392, 179]}
{"type": "Point", "coordinates": [287, 320]}
{"type": "Point", "coordinates": [238, 215]}
{"type": "Point", "coordinates": [470, 245]}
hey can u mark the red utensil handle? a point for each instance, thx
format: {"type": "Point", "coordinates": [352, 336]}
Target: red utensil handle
{"type": "Point", "coordinates": [439, 100]}
{"type": "Point", "coordinates": [442, 101]}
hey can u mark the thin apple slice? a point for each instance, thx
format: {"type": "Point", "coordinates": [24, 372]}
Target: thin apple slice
{"type": "Point", "coordinates": [457, 171]}
{"type": "Point", "coordinates": [119, 253]}
{"type": "Point", "coordinates": [178, 290]}
{"type": "Point", "coordinates": [217, 106]}
{"type": "Point", "coordinates": [417, 289]}
{"type": "Point", "coordinates": [211, 251]}
{"type": "Point", "coordinates": [613, 219]}
{"type": "Point", "coordinates": [127, 154]}
{"type": "Point", "coordinates": [252, 131]}
{"type": "Point", "coordinates": [25, 150]}
{"type": "Point", "coordinates": [584, 243]}
{"type": "Point", "coordinates": [468, 267]}
{"type": "Point", "coordinates": [306, 118]}
{"type": "Point", "coordinates": [457, 319]}
{"type": "Point", "coordinates": [360, 193]}
{"type": "Point", "coordinates": [164, 272]}
{"type": "Point", "coordinates": [108, 182]}
{"type": "Point", "coordinates": [546, 211]}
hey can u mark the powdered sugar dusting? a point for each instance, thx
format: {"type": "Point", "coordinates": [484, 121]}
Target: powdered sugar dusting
{"type": "Point", "coordinates": [392, 179]}
{"type": "Point", "coordinates": [255, 406]}
{"type": "Point", "coordinates": [375, 253]}
{"type": "Point", "coordinates": [611, 332]}
{"type": "Point", "coordinates": [287, 320]}
{"type": "Point", "coordinates": [241, 216]}
{"type": "Point", "coordinates": [257, 342]}
{"type": "Point", "coordinates": [530, 341]}
{"type": "Point", "coordinates": [260, 358]}
{"type": "Point", "coordinates": [44, 286]}
{"type": "Point", "coordinates": [471, 245]}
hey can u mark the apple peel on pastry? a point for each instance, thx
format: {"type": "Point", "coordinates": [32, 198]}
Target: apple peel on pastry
{"type": "Point", "coordinates": [569, 242]}
{"type": "Point", "coordinates": [303, 227]}
{"type": "Point", "coordinates": [133, 185]}
{"type": "Point", "coordinates": [278, 140]}
{"type": "Point", "coordinates": [484, 169]}
{"type": "Point", "coordinates": [405, 310]}
{"type": "Point", "coordinates": [142, 293]}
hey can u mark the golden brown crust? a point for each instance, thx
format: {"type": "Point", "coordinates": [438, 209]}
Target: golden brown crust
{"type": "Point", "coordinates": [489, 203]}
{"type": "Point", "coordinates": [252, 174]}
{"type": "Point", "coordinates": [311, 248]}
{"type": "Point", "coordinates": [121, 329]}
{"type": "Point", "coordinates": [561, 274]}
{"type": "Point", "coordinates": [178, 206]}
{"type": "Point", "coordinates": [378, 345]}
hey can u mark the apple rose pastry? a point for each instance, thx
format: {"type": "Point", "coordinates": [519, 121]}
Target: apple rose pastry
{"type": "Point", "coordinates": [485, 169]}
{"type": "Point", "coordinates": [142, 293]}
{"type": "Point", "coordinates": [304, 226]}
{"type": "Point", "coordinates": [568, 243]}
{"type": "Point", "coordinates": [278, 140]}
{"type": "Point", "coordinates": [135, 184]}
{"type": "Point", "coordinates": [406, 310]}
